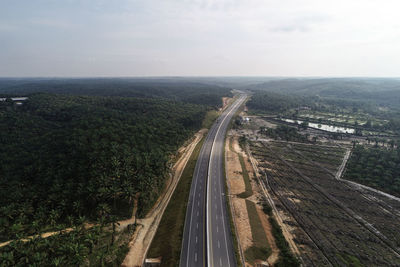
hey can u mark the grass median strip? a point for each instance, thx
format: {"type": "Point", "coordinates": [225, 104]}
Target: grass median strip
{"type": "Point", "coordinates": [248, 190]}
{"type": "Point", "coordinates": [260, 248]}
{"type": "Point", "coordinates": [168, 240]}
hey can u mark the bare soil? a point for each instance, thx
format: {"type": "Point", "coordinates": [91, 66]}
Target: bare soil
{"type": "Point", "coordinates": [237, 186]}
{"type": "Point", "coordinates": [226, 101]}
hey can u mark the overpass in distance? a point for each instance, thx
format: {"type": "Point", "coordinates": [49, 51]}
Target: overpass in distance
{"type": "Point", "coordinates": [207, 239]}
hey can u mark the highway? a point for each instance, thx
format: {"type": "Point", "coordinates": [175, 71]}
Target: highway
{"type": "Point", "coordinates": [207, 237]}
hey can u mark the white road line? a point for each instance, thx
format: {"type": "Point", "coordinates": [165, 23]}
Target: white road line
{"type": "Point", "coordinates": [197, 226]}
{"type": "Point", "coordinates": [191, 217]}
{"type": "Point", "coordinates": [197, 240]}
{"type": "Point", "coordinates": [197, 213]}
{"type": "Point", "coordinates": [208, 225]}
{"type": "Point", "coordinates": [219, 244]}
{"type": "Point", "coordinates": [195, 256]}
{"type": "Point", "coordinates": [220, 262]}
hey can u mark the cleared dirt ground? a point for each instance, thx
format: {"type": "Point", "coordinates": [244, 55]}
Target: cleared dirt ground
{"type": "Point", "coordinates": [334, 222]}
{"type": "Point", "coordinates": [237, 186]}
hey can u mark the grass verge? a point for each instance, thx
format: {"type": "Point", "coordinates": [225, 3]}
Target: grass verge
{"type": "Point", "coordinates": [286, 257]}
{"type": "Point", "coordinates": [260, 248]}
{"type": "Point", "coordinates": [209, 119]}
{"type": "Point", "coordinates": [168, 239]}
{"type": "Point", "coordinates": [248, 190]}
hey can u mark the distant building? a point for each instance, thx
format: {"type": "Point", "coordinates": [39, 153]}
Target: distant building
{"type": "Point", "coordinates": [19, 98]}
{"type": "Point", "coordinates": [244, 119]}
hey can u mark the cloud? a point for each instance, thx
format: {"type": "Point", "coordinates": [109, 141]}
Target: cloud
{"type": "Point", "coordinates": [52, 23]}
{"type": "Point", "coordinates": [302, 24]}
{"type": "Point", "coordinates": [6, 27]}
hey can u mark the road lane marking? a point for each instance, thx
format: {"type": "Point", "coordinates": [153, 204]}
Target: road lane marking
{"type": "Point", "coordinates": [196, 239]}
{"type": "Point", "coordinates": [226, 114]}
{"type": "Point", "coordinates": [191, 215]}
{"type": "Point", "coordinates": [195, 256]}
{"type": "Point", "coordinates": [219, 244]}
{"type": "Point", "coordinates": [197, 226]}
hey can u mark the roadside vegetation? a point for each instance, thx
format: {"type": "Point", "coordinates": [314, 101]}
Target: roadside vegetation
{"type": "Point", "coordinates": [260, 249]}
{"type": "Point", "coordinates": [286, 257]}
{"type": "Point", "coordinates": [248, 189]}
{"type": "Point", "coordinates": [210, 118]}
{"type": "Point", "coordinates": [167, 241]}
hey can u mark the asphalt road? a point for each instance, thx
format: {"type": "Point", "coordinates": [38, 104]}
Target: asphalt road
{"type": "Point", "coordinates": [207, 235]}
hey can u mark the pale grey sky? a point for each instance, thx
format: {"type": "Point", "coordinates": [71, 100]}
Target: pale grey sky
{"type": "Point", "coordinates": [199, 37]}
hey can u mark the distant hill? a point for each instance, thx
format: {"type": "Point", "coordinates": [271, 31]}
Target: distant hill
{"type": "Point", "coordinates": [382, 91]}
{"type": "Point", "coordinates": [174, 89]}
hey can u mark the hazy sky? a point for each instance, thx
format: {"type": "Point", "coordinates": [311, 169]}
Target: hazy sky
{"type": "Point", "coordinates": [182, 37]}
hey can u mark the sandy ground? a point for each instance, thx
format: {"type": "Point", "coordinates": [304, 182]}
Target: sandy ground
{"type": "Point", "coordinates": [147, 227]}
{"type": "Point", "coordinates": [46, 235]}
{"type": "Point", "coordinates": [238, 205]}
{"type": "Point", "coordinates": [236, 186]}
{"type": "Point", "coordinates": [226, 101]}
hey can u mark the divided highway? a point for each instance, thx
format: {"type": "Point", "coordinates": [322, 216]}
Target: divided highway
{"type": "Point", "coordinates": [207, 237]}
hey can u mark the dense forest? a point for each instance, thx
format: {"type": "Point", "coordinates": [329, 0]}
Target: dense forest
{"type": "Point", "coordinates": [184, 90]}
{"type": "Point", "coordinates": [376, 167]}
{"type": "Point", "coordinates": [383, 92]}
{"type": "Point", "coordinates": [79, 153]}
{"type": "Point", "coordinates": [65, 156]}
{"type": "Point", "coordinates": [272, 102]}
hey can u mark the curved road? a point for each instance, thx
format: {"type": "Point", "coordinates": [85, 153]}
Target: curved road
{"type": "Point", "coordinates": [207, 237]}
